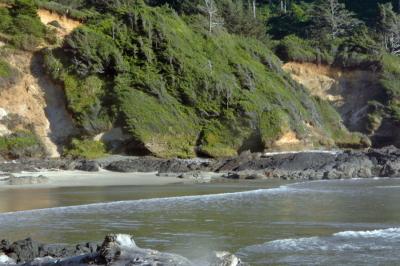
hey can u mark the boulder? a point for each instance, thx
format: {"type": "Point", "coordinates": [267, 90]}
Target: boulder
{"type": "Point", "coordinates": [116, 250]}
{"type": "Point", "coordinates": [87, 166]}
{"type": "Point", "coordinates": [23, 250]}
{"type": "Point", "coordinates": [152, 164]}
{"type": "Point", "coordinates": [391, 169]}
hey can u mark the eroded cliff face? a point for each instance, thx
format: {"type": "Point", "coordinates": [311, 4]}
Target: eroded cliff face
{"type": "Point", "coordinates": [36, 104]}
{"type": "Point", "coordinates": [63, 25]}
{"type": "Point", "coordinates": [30, 101]}
{"type": "Point", "coordinates": [349, 91]}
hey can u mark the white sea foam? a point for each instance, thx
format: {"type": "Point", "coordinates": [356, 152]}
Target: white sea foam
{"type": "Point", "coordinates": [125, 241]}
{"type": "Point", "coordinates": [386, 187]}
{"type": "Point", "coordinates": [381, 233]}
{"type": "Point", "coordinates": [307, 244]}
{"type": "Point", "coordinates": [333, 152]}
{"type": "Point", "coordinates": [4, 259]}
{"type": "Point", "coordinates": [373, 240]}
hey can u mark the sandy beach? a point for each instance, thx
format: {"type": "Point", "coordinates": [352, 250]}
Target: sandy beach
{"type": "Point", "coordinates": [81, 179]}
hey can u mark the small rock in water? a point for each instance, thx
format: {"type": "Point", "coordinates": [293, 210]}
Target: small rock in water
{"type": "Point", "coordinates": [232, 176]}
{"type": "Point", "coordinates": [224, 258]}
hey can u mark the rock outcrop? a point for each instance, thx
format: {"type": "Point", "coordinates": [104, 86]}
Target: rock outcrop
{"type": "Point", "coordinates": [311, 165]}
{"type": "Point", "coordinates": [116, 249]}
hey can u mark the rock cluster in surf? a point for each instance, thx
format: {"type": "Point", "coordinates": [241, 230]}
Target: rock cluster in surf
{"type": "Point", "coordinates": [116, 249]}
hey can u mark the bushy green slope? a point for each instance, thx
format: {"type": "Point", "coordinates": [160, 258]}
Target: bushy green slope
{"type": "Point", "coordinates": [180, 90]}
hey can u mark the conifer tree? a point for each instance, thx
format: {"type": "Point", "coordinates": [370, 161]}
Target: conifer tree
{"type": "Point", "coordinates": [389, 28]}
{"type": "Point", "coordinates": [331, 17]}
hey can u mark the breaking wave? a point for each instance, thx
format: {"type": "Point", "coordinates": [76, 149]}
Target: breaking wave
{"type": "Point", "coordinates": [381, 239]}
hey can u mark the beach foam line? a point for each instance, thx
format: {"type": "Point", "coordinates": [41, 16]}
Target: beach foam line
{"type": "Point", "coordinates": [381, 233]}
{"type": "Point", "coordinates": [333, 152]}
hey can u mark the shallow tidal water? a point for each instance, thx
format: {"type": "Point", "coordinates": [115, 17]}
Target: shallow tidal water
{"type": "Point", "coordinates": [349, 222]}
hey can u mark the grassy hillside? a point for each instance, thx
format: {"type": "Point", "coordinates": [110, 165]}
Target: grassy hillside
{"type": "Point", "coordinates": [155, 70]}
{"type": "Point", "coordinates": [179, 90]}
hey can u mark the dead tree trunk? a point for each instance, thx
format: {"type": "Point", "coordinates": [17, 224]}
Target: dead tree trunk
{"type": "Point", "coordinates": [255, 9]}
{"type": "Point", "coordinates": [211, 10]}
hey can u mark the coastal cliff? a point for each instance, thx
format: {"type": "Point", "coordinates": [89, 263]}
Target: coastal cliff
{"type": "Point", "coordinates": [146, 78]}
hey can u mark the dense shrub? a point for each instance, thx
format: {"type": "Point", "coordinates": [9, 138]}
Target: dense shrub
{"type": "Point", "coordinates": [177, 89]}
{"type": "Point", "coordinates": [21, 144]}
{"type": "Point", "coordinates": [21, 26]}
{"type": "Point", "coordinates": [8, 74]}
{"type": "Point", "coordinates": [5, 69]}
{"type": "Point", "coordinates": [88, 149]}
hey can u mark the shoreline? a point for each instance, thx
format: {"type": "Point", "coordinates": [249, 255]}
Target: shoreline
{"type": "Point", "coordinates": [142, 171]}
{"type": "Point", "coordinates": [77, 178]}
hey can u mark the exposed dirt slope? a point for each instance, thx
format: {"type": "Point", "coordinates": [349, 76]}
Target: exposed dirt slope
{"type": "Point", "coordinates": [348, 90]}
{"type": "Point", "coordinates": [66, 25]}
{"type": "Point", "coordinates": [38, 101]}
{"type": "Point", "coordinates": [34, 97]}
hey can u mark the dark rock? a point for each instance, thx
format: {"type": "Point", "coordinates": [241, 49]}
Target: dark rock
{"type": "Point", "coordinates": [391, 169]}
{"type": "Point", "coordinates": [33, 165]}
{"type": "Point", "coordinates": [293, 162]}
{"type": "Point", "coordinates": [151, 164]}
{"type": "Point", "coordinates": [23, 250]}
{"type": "Point", "coordinates": [110, 249]}
{"type": "Point", "coordinates": [117, 250]}
{"type": "Point", "coordinates": [384, 162]}
{"type": "Point", "coordinates": [88, 166]}
{"type": "Point", "coordinates": [4, 245]}
{"type": "Point", "coordinates": [232, 176]}
{"type": "Point", "coordinates": [245, 175]}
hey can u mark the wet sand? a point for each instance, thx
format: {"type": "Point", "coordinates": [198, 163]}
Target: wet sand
{"type": "Point", "coordinates": [100, 179]}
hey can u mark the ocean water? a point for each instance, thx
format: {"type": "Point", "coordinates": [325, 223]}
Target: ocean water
{"type": "Point", "coordinates": [349, 222]}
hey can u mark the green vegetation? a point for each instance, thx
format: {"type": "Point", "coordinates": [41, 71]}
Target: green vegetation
{"type": "Point", "coordinates": [87, 149]}
{"type": "Point", "coordinates": [182, 82]}
{"type": "Point", "coordinates": [21, 27]}
{"type": "Point", "coordinates": [390, 83]}
{"type": "Point", "coordinates": [5, 69]}
{"type": "Point", "coordinates": [273, 125]}
{"type": "Point", "coordinates": [8, 74]}
{"type": "Point", "coordinates": [360, 35]}
{"type": "Point", "coordinates": [20, 144]}
{"type": "Point", "coordinates": [174, 86]}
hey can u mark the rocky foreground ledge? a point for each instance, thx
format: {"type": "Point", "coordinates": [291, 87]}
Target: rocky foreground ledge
{"type": "Point", "coordinates": [115, 250]}
{"type": "Point", "coordinates": [312, 165]}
